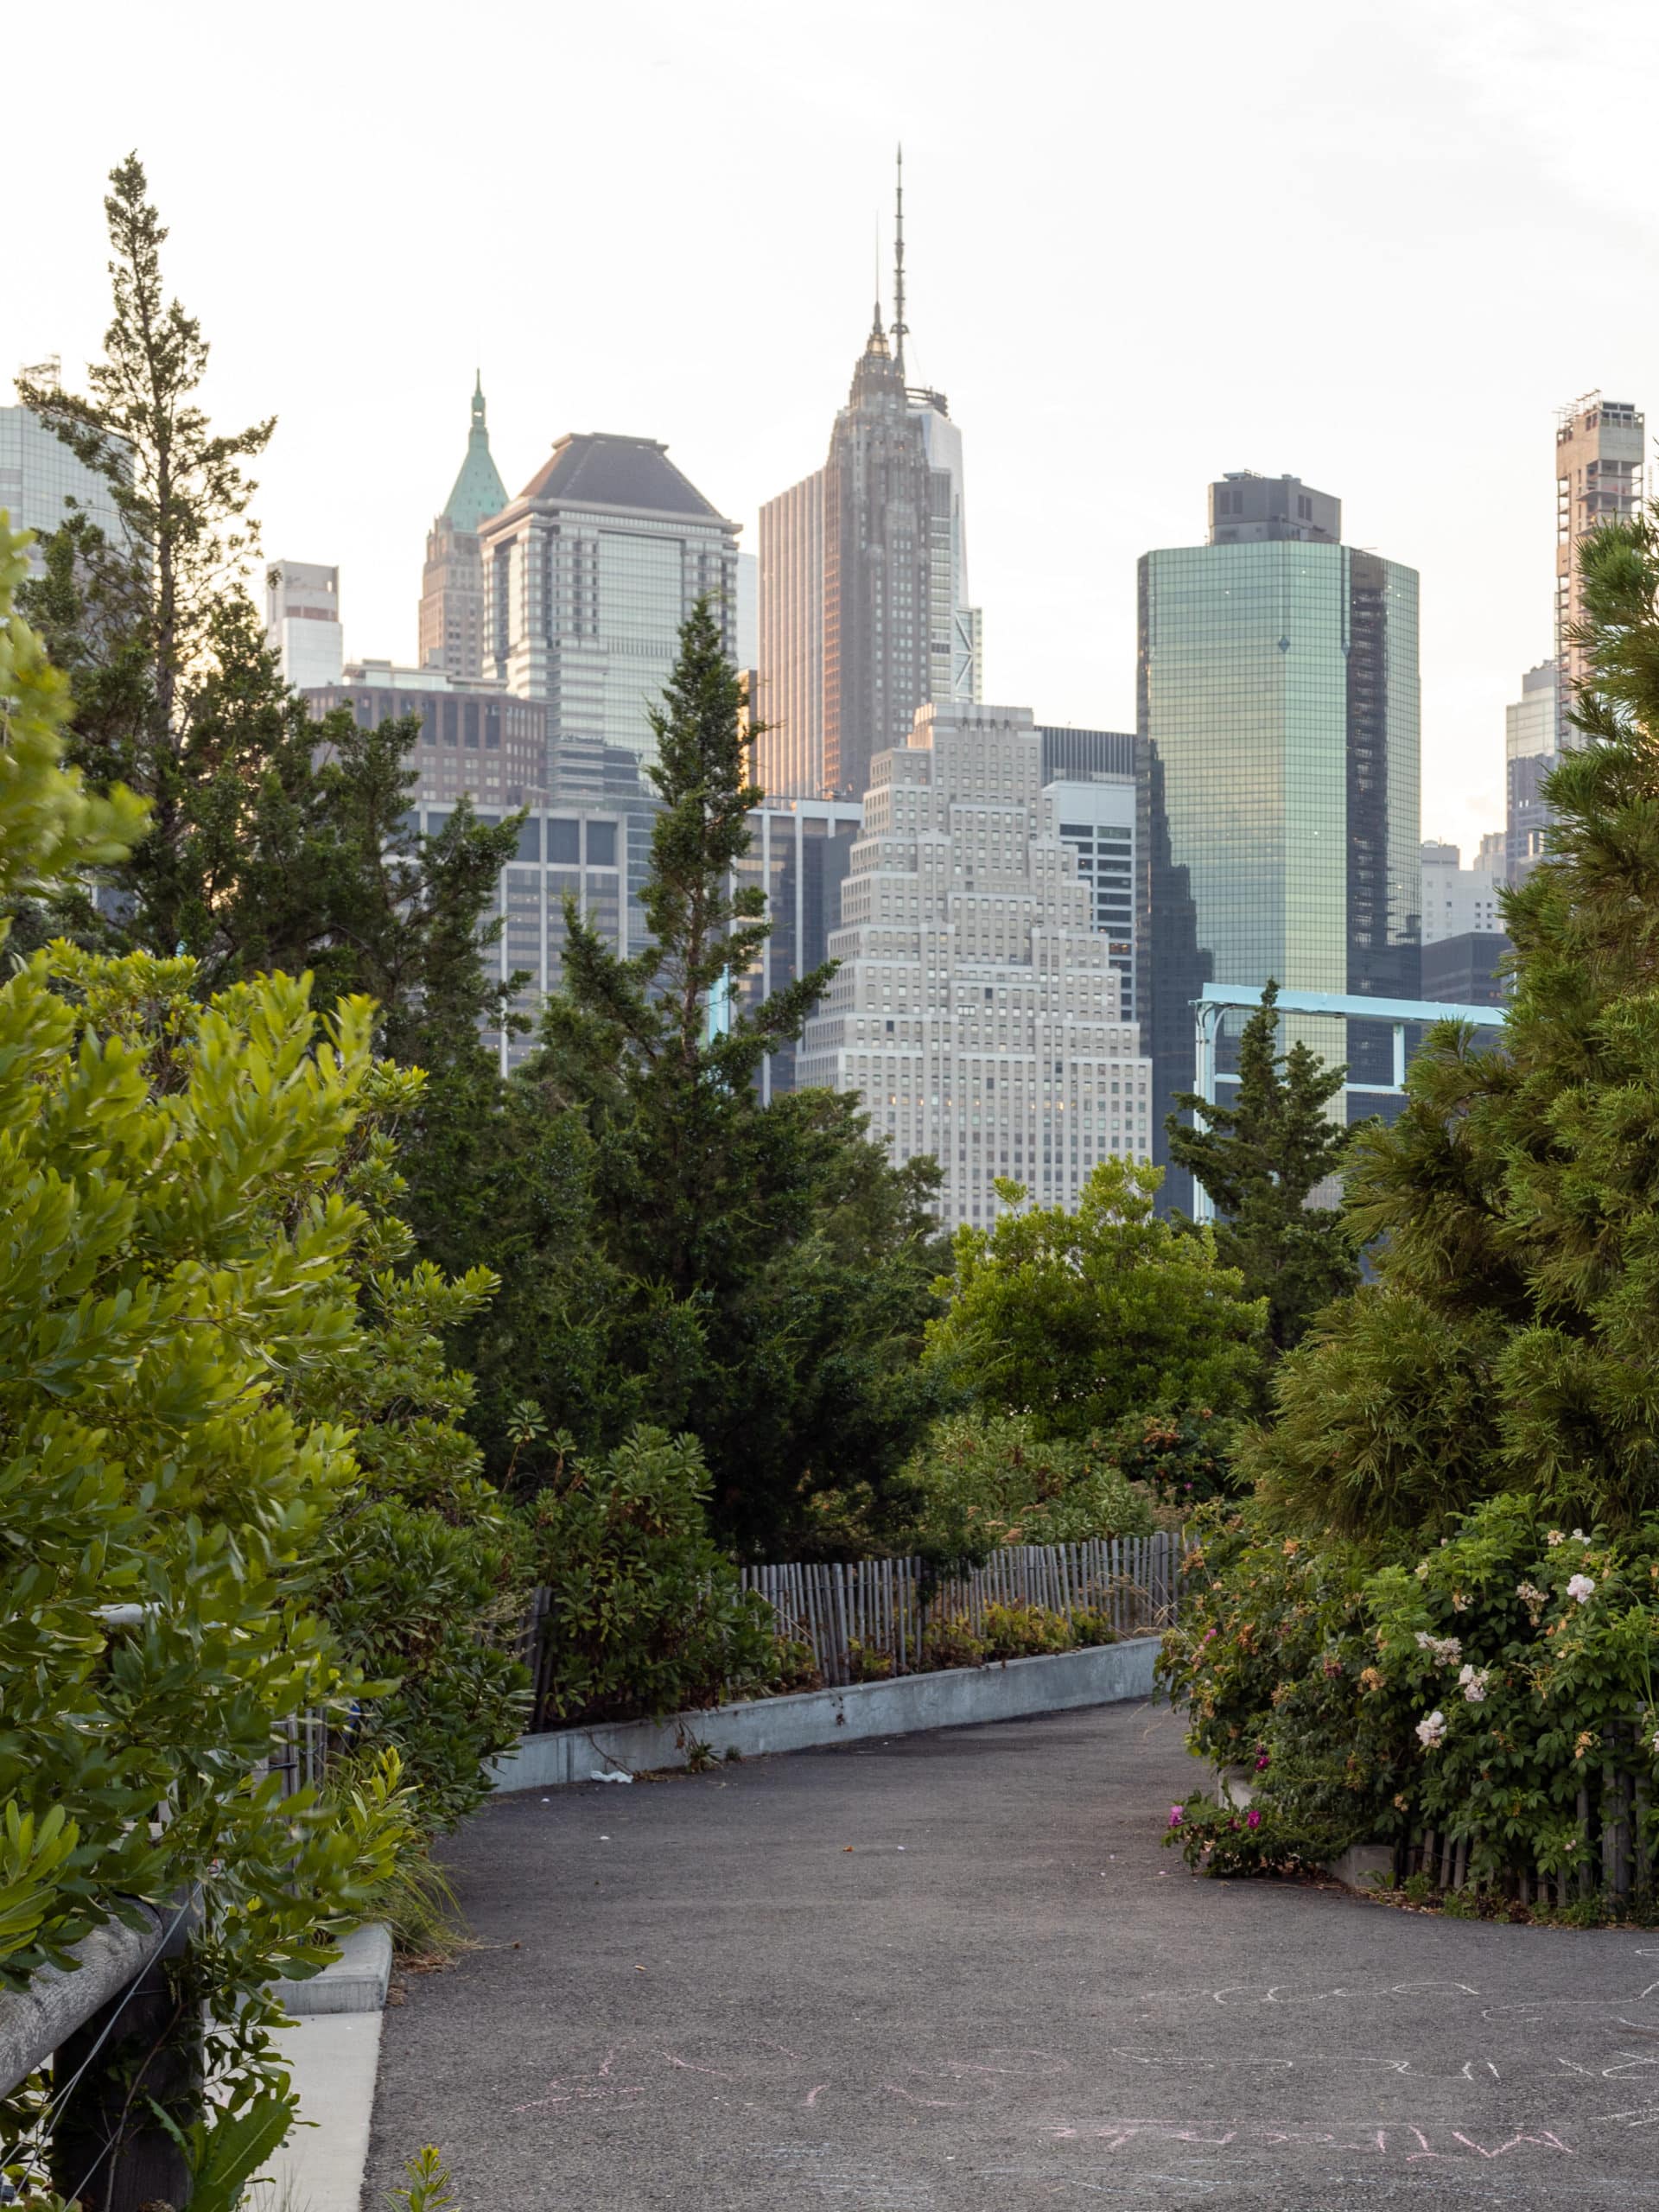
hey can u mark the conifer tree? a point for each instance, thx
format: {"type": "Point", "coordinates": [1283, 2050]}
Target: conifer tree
{"type": "Point", "coordinates": [276, 841]}
{"type": "Point", "coordinates": [1261, 1159]}
{"type": "Point", "coordinates": [757, 1274]}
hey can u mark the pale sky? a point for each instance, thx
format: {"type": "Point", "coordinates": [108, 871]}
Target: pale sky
{"type": "Point", "coordinates": [1373, 243]}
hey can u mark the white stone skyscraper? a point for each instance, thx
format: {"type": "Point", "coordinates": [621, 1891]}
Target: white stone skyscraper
{"type": "Point", "coordinates": [975, 1011]}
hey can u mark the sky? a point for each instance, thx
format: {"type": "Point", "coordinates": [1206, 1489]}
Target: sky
{"type": "Point", "coordinates": [1376, 245]}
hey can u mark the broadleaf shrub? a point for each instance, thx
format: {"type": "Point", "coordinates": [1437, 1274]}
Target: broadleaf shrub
{"type": "Point", "coordinates": [646, 1615]}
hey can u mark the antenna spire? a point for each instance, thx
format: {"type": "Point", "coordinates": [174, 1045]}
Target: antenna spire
{"type": "Point", "coordinates": [900, 327]}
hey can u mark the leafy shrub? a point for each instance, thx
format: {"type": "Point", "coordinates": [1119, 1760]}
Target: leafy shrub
{"type": "Point", "coordinates": [951, 1643]}
{"type": "Point", "coordinates": [646, 1615]}
{"type": "Point", "coordinates": [868, 1663]}
{"type": "Point", "coordinates": [985, 1479]}
{"type": "Point", "coordinates": [795, 1665]}
{"type": "Point", "coordinates": [1079, 1319]}
{"type": "Point", "coordinates": [1182, 1456]}
{"type": "Point", "coordinates": [1255, 1840]}
{"type": "Point", "coordinates": [1023, 1632]}
{"type": "Point", "coordinates": [1091, 1627]}
{"type": "Point", "coordinates": [1491, 1691]}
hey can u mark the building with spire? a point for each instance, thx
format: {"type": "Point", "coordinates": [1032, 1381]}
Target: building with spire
{"type": "Point", "coordinates": [864, 608]}
{"type": "Point", "coordinates": [589, 575]}
{"type": "Point", "coordinates": [452, 584]}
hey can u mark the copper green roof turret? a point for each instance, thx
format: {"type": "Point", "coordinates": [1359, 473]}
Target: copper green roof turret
{"type": "Point", "coordinates": [478, 491]}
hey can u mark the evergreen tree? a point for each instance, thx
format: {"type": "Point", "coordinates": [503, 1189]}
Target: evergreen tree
{"type": "Point", "coordinates": [1509, 1342]}
{"type": "Point", "coordinates": [1261, 1159]}
{"type": "Point", "coordinates": [757, 1275]}
{"type": "Point", "coordinates": [278, 841]}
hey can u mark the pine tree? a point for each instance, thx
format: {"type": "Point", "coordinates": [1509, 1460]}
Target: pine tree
{"type": "Point", "coordinates": [657, 1040]}
{"type": "Point", "coordinates": [277, 842]}
{"type": "Point", "coordinates": [756, 1274]}
{"type": "Point", "coordinates": [1508, 1342]}
{"type": "Point", "coordinates": [1261, 1159]}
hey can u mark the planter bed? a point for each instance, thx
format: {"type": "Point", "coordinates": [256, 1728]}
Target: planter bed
{"type": "Point", "coordinates": [954, 1697]}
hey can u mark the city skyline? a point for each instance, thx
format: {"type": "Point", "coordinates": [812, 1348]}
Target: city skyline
{"type": "Point", "coordinates": [1096, 295]}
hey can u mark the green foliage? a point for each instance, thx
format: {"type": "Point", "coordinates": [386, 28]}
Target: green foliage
{"type": "Point", "coordinates": [672, 1251]}
{"type": "Point", "coordinates": [1077, 1320]}
{"type": "Point", "coordinates": [429, 2187]}
{"type": "Point", "coordinates": [1487, 1693]}
{"type": "Point", "coordinates": [227, 2148]}
{"type": "Point", "coordinates": [1183, 1456]}
{"type": "Point", "coordinates": [276, 843]}
{"type": "Point", "coordinates": [646, 1615]}
{"type": "Point", "coordinates": [984, 1479]}
{"type": "Point", "coordinates": [1261, 1159]}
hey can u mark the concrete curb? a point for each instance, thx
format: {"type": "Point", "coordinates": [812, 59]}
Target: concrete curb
{"type": "Point", "coordinates": [356, 1982]}
{"type": "Point", "coordinates": [957, 1697]}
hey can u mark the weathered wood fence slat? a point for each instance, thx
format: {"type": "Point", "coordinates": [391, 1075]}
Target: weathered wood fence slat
{"type": "Point", "coordinates": [867, 1617]}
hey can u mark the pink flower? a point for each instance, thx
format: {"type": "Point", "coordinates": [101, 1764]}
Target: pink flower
{"type": "Point", "coordinates": [1253, 1818]}
{"type": "Point", "coordinates": [1175, 1816]}
{"type": "Point", "coordinates": [1263, 1762]}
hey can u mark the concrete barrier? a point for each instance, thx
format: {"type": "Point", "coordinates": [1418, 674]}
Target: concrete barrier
{"type": "Point", "coordinates": [957, 1697]}
{"type": "Point", "coordinates": [354, 1982]}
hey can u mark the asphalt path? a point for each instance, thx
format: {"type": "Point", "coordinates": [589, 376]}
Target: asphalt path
{"type": "Point", "coordinates": [957, 1973]}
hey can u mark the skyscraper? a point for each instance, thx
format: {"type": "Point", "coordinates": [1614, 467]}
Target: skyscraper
{"type": "Point", "coordinates": [864, 601]}
{"type": "Point", "coordinates": [1278, 711]}
{"type": "Point", "coordinates": [452, 584]}
{"type": "Point", "coordinates": [1090, 774]}
{"type": "Point", "coordinates": [1532, 726]}
{"type": "Point", "coordinates": [302, 625]}
{"type": "Point", "coordinates": [1599, 451]}
{"type": "Point", "coordinates": [42, 483]}
{"type": "Point", "coordinates": [975, 1010]}
{"type": "Point", "coordinates": [589, 573]}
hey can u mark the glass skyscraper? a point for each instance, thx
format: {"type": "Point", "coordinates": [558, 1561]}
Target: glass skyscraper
{"type": "Point", "coordinates": [1278, 713]}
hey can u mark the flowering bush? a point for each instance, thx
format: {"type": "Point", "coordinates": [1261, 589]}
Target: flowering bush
{"type": "Point", "coordinates": [1498, 1692]}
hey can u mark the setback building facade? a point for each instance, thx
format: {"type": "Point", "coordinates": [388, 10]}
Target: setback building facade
{"type": "Point", "coordinates": [1278, 715]}
{"type": "Point", "coordinates": [589, 575]}
{"type": "Point", "coordinates": [452, 582]}
{"type": "Point", "coordinates": [865, 610]}
{"type": "Point", "coordinates": [975, 1011]}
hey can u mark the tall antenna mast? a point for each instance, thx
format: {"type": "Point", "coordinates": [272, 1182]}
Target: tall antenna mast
{"type": "Point", "coordinates": [900, 327]}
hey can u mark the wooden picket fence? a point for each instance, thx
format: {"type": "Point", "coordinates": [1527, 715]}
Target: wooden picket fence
{"type": "Point", "coordinates": [885, 1606]}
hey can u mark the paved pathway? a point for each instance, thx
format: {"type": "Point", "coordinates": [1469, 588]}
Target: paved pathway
{"type": "Point", "coordinates": [692, 1994]}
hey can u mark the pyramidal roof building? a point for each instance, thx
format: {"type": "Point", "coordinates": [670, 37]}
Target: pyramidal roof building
{"type": "Point", "coordinates": [452, 584]}
{"type": "Point", "coordinates": [864, 603]}
{"type": "Point", "coordinates": [589, 575]}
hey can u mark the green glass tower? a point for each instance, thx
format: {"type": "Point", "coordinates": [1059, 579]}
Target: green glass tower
{"type": "Point", "coordinates": [1278, 771]}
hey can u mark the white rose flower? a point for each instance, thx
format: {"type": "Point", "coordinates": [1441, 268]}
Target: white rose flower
{"type": "Point", "coordinates": [1431, 1729]}
{"type": "Point", "coordinates": [1580, 1586]}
